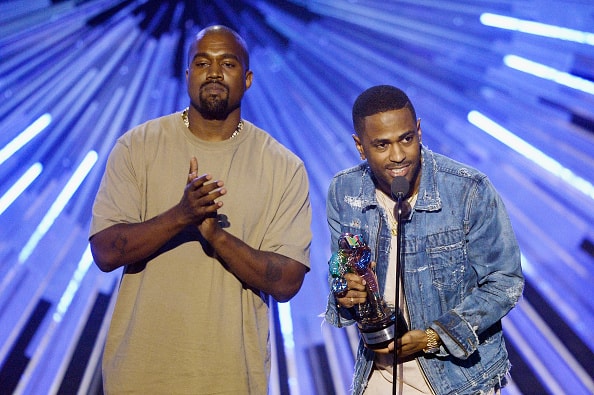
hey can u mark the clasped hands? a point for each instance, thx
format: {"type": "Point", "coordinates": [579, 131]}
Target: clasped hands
{"type": "Point", "coordinates": [198, 203]}
{"type": "Point", "coordinates": [410, 343]}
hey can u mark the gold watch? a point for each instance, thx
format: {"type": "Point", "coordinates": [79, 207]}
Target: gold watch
{"type": "Point", "coordinates": [433, 342]}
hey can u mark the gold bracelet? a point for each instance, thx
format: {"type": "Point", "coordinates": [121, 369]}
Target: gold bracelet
{"type": "Point", "coordinates": [433, 342]}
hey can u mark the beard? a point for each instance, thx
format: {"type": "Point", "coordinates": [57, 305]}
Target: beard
{"type": "Point", "coordinates": [214, 106]}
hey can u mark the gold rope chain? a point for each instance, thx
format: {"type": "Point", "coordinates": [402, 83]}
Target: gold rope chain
{"type": "Point", "coordinates": [238, 129]}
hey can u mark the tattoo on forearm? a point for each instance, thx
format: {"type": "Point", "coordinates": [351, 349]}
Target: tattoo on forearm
{"type": "Point", "coordinates": [119, 244]}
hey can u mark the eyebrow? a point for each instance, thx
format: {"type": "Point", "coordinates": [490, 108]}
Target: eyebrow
{"type": "Point", "coordinates": [379, 141]}
{"type": "Point", "coordinates": [399, 138]}
{"type": "Point", "coordinates": [224, 56]}
{"type": "Point", "coordinates": [406, 134]}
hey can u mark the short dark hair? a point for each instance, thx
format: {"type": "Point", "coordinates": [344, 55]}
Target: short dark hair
{"type": "Point", "coordinates": [380, 98]}
{"type": "Point", "coordinates": [219, 29]}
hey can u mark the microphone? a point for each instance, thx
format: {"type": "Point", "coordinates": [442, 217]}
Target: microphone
{"type": "Point", "coordinates": [399, 187]}
{"type": "Point", "coordinates": [399, 190]}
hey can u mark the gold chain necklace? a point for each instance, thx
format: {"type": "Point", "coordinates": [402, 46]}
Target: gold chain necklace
{"type": "Point", "coordinates": [238, 129]}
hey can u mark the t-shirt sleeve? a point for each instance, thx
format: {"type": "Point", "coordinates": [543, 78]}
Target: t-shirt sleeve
{"type": "Point", "coordinates": [118, 198]}
{"type": "Point", "coordinates": [290, 232]}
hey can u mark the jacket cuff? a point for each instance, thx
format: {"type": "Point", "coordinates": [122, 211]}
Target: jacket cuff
{"type": "Point", "coordinates": [456, 334]}
{"type": "Point", "coordinates": [335, 316]}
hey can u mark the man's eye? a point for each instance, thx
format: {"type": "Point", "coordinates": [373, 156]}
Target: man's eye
{"type": "Point", "coordinates": [409, 139]}
{"type": "Point", "coordinates": [229, 64]}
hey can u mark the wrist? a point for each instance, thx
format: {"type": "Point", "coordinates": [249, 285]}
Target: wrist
{"type": "Point", "coordinates": [217, 237]}
{"type": "Point", "coordinates": [179, 216]}
{"type": "Point", "coordinates": [433, 342]}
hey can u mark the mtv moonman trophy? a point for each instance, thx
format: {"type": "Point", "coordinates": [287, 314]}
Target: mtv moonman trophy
{"type": "Point", "coordinates": [374, 318]}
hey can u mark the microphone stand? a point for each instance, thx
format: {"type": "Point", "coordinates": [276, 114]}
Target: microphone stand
{"type": "Point", "coordinates": [399, 271]}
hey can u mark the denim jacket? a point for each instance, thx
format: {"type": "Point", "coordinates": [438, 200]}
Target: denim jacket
{"type": "Point", "coordinates": [461, 262]}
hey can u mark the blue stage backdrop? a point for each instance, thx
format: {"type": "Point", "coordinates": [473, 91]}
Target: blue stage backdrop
{"type": "Point", "coordinates": [505, 86]}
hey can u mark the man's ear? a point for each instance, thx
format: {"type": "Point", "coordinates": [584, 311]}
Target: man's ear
{"type": "Point", "coordinates": [359, 146]}
{"type": "Point", "coordinates": [249, 76]}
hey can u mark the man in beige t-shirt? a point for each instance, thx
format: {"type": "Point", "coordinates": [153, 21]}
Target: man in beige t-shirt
{"type": "Point", "coordinates": [208, 215]}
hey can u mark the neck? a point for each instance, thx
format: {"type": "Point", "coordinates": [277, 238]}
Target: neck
{"type": "Point", "coordinates": [213, 129]}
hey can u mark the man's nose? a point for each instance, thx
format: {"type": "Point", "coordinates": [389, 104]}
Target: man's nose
{"type": "Point", "coordinates": [397, 154]}
{"type": "Point", "coordinates": [214, 72]}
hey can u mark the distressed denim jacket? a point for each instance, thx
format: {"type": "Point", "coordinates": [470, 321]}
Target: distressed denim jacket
{"type": "Point", "coordinates": [462, 270]}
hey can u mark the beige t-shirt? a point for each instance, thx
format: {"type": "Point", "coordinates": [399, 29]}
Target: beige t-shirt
{"type": "Point", "coordinates": [182, 323]}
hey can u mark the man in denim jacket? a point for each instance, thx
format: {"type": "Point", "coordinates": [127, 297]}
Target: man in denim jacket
{"type": "Point", "coordinates": [461, 260]}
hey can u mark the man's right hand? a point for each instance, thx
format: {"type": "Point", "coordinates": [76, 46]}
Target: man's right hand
{"type": "Point", "coordinates": [357, 291]}
{"type": "Point", "coordinates": [198, 203]}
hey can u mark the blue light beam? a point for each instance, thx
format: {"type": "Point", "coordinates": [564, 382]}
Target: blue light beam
{"type": "Point", "coordinates": [61, 201]}
{"type": "Point", "coordinates": [286, 324]}
{"type": "Point", "coordinates": [26, 135]}
{"type": "Point", "coordinates": [548, 73]}
{"type": "Point", "coordinates": [537, 28]}
{"type": "Point", "coordinates": [535, 155]}
{"type": "Point", "coordinates": [73, 285]}
{"type": "Point", "coordinates": [19, 187]}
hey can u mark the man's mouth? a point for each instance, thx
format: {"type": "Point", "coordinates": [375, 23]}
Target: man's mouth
{"type": "Point", "coordinates": [398, 171]}
{"type": "Point", "coordinates": [213, 88]}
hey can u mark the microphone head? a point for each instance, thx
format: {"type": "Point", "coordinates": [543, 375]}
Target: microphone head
{"type": "Point", "coordinates": [399, 187]}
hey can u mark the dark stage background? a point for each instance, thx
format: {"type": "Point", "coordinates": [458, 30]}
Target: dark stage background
{"type": "Point", "coordinates": [505, 86]}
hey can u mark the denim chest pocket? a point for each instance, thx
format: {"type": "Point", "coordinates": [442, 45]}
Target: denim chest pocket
{"type": "Point", "coordinates": [446, 258]}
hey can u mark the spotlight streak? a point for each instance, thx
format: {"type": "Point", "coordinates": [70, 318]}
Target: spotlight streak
{"type": "Point", "coordinates": [529, 151]}
{"type": "Point", "coordinates": [74, 284]}
{"type": "Point", "coordinates": [27, 135]}
{"type": "Point", "coordinates": [20, 186]}
{"type": "Point", "coordinates": [59, 204]}
{"type": "Point", "coordinates": [549, 73]}
{"type": "Point", "coordinates": [536, 28]}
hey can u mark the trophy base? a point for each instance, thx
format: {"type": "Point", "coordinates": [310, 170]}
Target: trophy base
{"type": "Point", "coordinates": [378, 336]}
